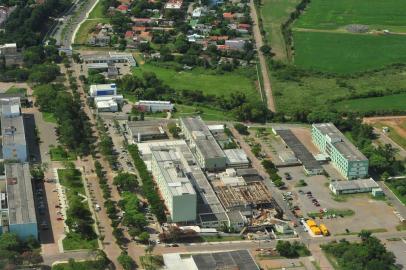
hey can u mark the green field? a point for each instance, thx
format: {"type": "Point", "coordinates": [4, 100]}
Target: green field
{"type": "Point", "coordinates": [49, 117]}
{"type": "Point", "coordinates": [59, 154]}
{"type": "Point", "coordinates": [208, 82]}
{"type": "Point", "coordinates": [273, 14]}
{"type": "Point", "coordinates": [314, 92]}
{"type": "Point", "coordinates": [395, 102]}
{"type": "Point", "coordinates": [330, 14]}
{"type": "Point", "coordinates": [16, 90]}
{"type": "Point", "coordinates": [347, 53]}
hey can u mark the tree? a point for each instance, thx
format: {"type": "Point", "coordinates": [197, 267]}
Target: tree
{"type": "Point", "coordinates": [144, 237]}
{"type": "Point", "coordinates": [174, 130]}
{"type": "Point", "coordinates": [126, 261]}
{"type": "Point", "coordinates": [364, 235]}
{"type": "Point", "coordinates": [242, 129]}
{"type": "Point", "coordinates": [266, 49]}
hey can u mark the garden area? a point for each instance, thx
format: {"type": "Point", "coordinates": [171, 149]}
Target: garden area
{"type": "Point", "coordinates": [59, 154]}
{"type": "Point", "coordinates": [78, 215]}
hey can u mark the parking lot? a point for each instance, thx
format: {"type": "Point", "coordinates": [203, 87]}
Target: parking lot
{"type": "Point", "coordinates": [368, 212]}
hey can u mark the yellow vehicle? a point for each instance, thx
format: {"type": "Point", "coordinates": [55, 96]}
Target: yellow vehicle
{"type": "Point", "coordinates": [316, 230]}
{"type": "Point", "coordinates": [311, 223]}
{"type": "Point", "coordinates": [324, 230]}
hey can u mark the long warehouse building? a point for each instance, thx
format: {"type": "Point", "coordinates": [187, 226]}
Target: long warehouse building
{"type": "Point", "coordinates": [205, 147]}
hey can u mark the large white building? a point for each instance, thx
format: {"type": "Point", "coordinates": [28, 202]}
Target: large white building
{"type": "Point", "coordinates": [97, 90]}
{"type": "Point", "coordinates": [170, 173]}
{"type": "Point", "coordinates": [154, 106]}
{"type": "Point", "coordinates": [202, 143]}
{"type": "Point", "coordinates": [14, 145]}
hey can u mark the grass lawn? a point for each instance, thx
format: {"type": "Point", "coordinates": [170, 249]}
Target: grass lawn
{"type": "Point", "coordinates": [86, 28]}
{"type": "Point", "coordinates": [49, 117]}
{"type": "Point", "coordinates": [59, 154]}
{"type": "Point", "coordinates": [347, 53]}
{"type": "Point", "coordinates": [208, 114]}
{"type": "Point", "coordinates": [208, 81]}
{"type": "Point", "coordinates": [82, 265]}
{"type": "Point", "coordinates": [337, 212]}
{"type": "Point", "coordinates": [395, 102]}
{"type": "Point", "coordinates": [72, 180]}
{"type": "Point", "coordinates": [16, 90]}
{"type": "Point", "coordinates": [330, 14]}
{"type": "Point", "coordinates": [75, 241]}
{"type": "Point", "coordinates": [152, 261]}
{"type": "Point", "coordinates": [97, 11]}
{"type": "Point", "coordinates": [396, 192]}
{"type": "Point", "coordinates": [273, 14]}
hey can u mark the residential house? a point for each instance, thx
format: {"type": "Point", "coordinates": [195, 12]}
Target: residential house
{"type": "Point", "coordinates": [174, 4]}
{"type": "Point", "coordinates": [235, 44]}
{"type": "Point", "coordinates": [122, 8]}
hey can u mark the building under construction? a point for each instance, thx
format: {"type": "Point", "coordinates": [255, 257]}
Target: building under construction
{"type": "Point", "coordinates": [245, 197]}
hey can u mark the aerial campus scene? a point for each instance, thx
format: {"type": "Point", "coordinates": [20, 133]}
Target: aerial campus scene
{"type": "Point", "coordinates": [203, 134]}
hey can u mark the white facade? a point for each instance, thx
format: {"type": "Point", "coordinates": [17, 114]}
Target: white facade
{"type": "Point", "coordinates": [97, 90]}
{"type": "Point", "coordinates": [154, 106]}
{"type": "Point", "coordinates": [106, 106]}
{"type": "Point", "coordinates": [174, 185]}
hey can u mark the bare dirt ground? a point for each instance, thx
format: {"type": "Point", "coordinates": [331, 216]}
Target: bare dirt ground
{"type": "Point", "coordinates": [398, 123]}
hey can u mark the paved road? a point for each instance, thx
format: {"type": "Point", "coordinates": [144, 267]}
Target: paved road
{"type": "Point", "coordinates": [386, 140]}
{"type": "Point", "coordinates": [264, 66]}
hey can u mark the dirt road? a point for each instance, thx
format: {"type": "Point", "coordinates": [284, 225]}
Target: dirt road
{"type": "Point", "coordinates": [264, 67]}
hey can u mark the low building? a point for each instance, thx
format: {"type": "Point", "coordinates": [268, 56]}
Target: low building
{"type": "Point", "coordinates": [154, 106]}
{"type": "Point", "coordinates": [108, 105]}
{"type": "Point", "coordinates": [14, 145]}
{"type": "Point", "coordinates": [353, 186]}
{"type": "Point", "coordinates": [202, 143]}
{"type": "Point", "coordinates": [10, 54]}
{"type": "Point", "coordinates": [97, 90]}
{"type": "Point", "coordinates": [236, 158]}
{"type": "Point", "coordinates": [17, 202]}
{"type": "Point", "coordinates": [236, 44]}
{"type": "Point", "coordinates": [115, 57]}
{"type": "Point", "coordinates": [174, 4]}
{"type": "Point", "coordinates": [171, 175]}
{"type": "Point", "coordinates": [236, 259]}
{"type": "Point", "coordinates": [140, 131]}
{"type": "Point", "coordinates": [345, 157]}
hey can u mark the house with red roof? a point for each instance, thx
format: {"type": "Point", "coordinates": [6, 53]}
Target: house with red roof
{"type": "Point", "coordinates": [122, 8]}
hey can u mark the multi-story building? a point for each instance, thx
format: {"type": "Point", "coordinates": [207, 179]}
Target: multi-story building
{"type": "Point", "coordinates": [202, 143]}
{"type": "Point", "coordinates": [14, 146]}
{"type": "Point", "coordinates": [97, 90]}
{"type": "Point", "coordinates": [17, 201]}
{"type": "Point", "coordinates": [170, 173]}
{"type": "Point", "coordinates": [348, 160]}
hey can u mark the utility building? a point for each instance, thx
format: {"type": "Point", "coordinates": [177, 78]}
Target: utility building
{"type": "Point", "coordinates": [202, 143]}
{"type": "Point", "coordinates": [12, 129]}
{"type": "Point", "coordinates": [170, 173]}
{"type": "Point", "coordinates": [348, 160]}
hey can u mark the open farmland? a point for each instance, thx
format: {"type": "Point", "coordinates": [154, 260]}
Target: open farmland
{"type": "Point", "coordinates": [273, 14]}
{"type": "Point", "coordinates": [395, 102]}
{"type": "Point", "coordinates": [207, 81]}
{"type": "Point", "coordinates": [347, 53]}
{"type": "Point", "coordinates": [378, 14]}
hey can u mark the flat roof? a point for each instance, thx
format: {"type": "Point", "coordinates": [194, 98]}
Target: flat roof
{"type": "Point", "coordinates": [340, 142]}
{"type": "Point", "coordinates": [355, 184]}
{"type": "Point", "coordinates": [153, 102]}
{"type": "Point", "coordinates": [12, 129]}
{"type": "Point", "coordinates": [19, 193]}
{"type": "Point", "coordinates": [107, 86]}
{"type": "Point", "coordinates": [236, 156]}
{"type": "Point", "coordinates": [145, 128]}
{"type": "Point", "coordinates": [203, 138]}
{"type": "Point", "coordinates": [97, 65]}
{"type": "Point", "coordinates": [173, 171]}
{"type": "Point", "coordinates": [236, 259]}
{"type": "Point", "coordinates": [303, 155]}
{"type": "Point", "coordinates": [10, 105]}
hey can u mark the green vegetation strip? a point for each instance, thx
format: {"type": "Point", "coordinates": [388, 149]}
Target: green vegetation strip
{"type": "Point", "coordinates": [60, 154]}
{"type": "Point", "coordinates": [148, 186]}
{"type": "Point", "coordinates": [330, 212]}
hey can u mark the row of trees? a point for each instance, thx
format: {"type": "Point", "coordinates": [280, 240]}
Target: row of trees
{"type": "Point", "coordinates": [73, 129]}
{"type": "Point", "coordinates": [272, 171]}
{"type": "Point", "coordinates": [148, 186]}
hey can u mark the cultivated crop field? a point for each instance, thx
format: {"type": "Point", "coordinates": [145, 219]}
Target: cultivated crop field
{"type": "Point", "coordinates": [347, 53]}
{"type": "Point", "coordinates": [322, 42]}
{"type": "Point", "coordinates": [329, 14]}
